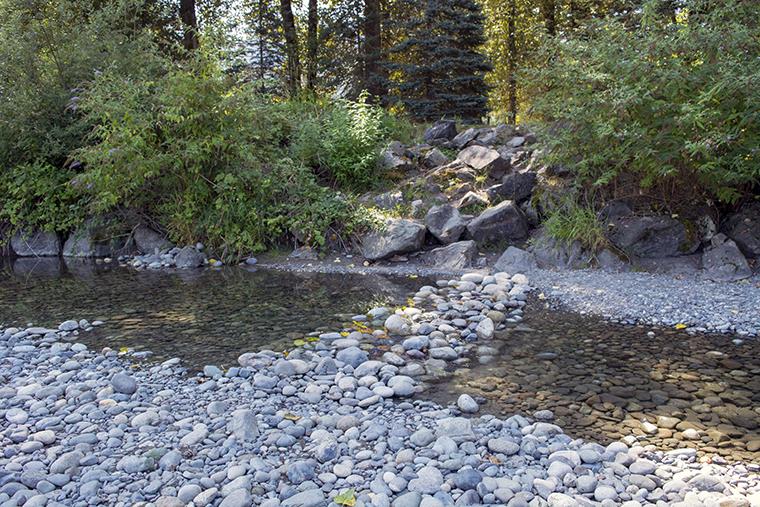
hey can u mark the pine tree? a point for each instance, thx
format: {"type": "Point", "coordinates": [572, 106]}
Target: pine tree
{"type": "Point", "coordinates": [437, 70]}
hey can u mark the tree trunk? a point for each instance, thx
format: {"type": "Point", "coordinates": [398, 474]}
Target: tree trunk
{"type": "Point", "coordinates": [512, 66]}
{"type": "Point", "coordinates": [373, 78]}
{"type": "Point", "coordinates": [291, 45]}
{"type": "Point", "coordinates": [311, 47]}
{"type": "Point", "coordinates": [190, 24]}
{"type": "Point", "coordinates": [548, 10]}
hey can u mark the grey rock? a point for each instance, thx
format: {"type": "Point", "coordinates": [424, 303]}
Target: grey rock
{"type": "Point", "coordinates": [429, 480]}
{"type": "Point", "coordinates": [434, 158]}
{"type": "Point", "coordinates": [743, 227]}
{"type": "Point", "coordinates": [442, 129]}
{"type": "Point", "coordinates": [445, 223]}
{"type": "Point", "coordinates": [515, 260]}
{"type": "Point", "coordinates": [515, 187]}
{"type": "Point", "coordinates": [467, 404]}
{"type": "Point", "coordinates": [189, 257]}
{"type": "Point", "coordinates": [652, 236]}
{"type": "Point", "coordinates": [724, 262]}
{"type": "Point", "coordinates": [123, 384]}
{"type": "Point", "coordinates": [149, 241]}
{"type": "Point", "coordinates": [399, 236]}
{"type": "Point", "coordinates": [352, 355]}
{"type": "Point", "coordinates": [485, 159]}
{"type": "Point", "coordinates": [455, 257]}
{"type": "Point", "coordinates": [243, 425]}
{"type": "Point", "coordinates": [35, 243]}
{"type": "Point", "coordinates": [503, 222]}
{"type": "Point", "coordinates": [238, 498]}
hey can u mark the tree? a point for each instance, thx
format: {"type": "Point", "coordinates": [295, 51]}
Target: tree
{"type": "Point", "coordinates": [438, 69]}
{"type": "Point", "coordinates": [293, 60]}
{"type": "Point", "coordinates": [312, 46]}
{"type": "Point", "coordinates": [373, 75]}
{"type": "Point", "coordinates": [189, 24]}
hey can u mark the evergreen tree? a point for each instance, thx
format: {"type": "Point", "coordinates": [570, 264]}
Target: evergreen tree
{"type": "Point", "coordinates": [438, 70]}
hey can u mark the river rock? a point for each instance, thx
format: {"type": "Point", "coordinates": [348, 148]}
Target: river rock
{"type": "Point", "coordinates": [35, 243]}
{"type": "Point", "coordinates": [652, 236]}
{"type": "Point", "coordinates": [503, 222]}
{"type": "Point", "coordinates": [456, 256]}
{"type": "Point", "coordinates": [124, 384]}
{"type": "Point", "coordinates": [149, 241]}
{"type": "Point", "coordinates": [399, 236]}
{"type": "Point", "coordinates": [189, 257]}
{"type": "Point", "coordinates": [445, 223]}
{"type": "Point", "coordinates": [243, 425]}
{"type": "Point", "coordinates": [723, 261]}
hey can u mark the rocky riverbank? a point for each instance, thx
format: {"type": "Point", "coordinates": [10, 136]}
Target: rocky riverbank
{"type": "Point", "coordinates": [657, 299]}
{"type": "Point", "coordinates": [324, 425]}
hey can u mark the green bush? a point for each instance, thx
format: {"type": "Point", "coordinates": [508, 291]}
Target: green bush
{"type": "Point", "coordinates": [661, 103]}
{"type": "Point", "coordinates": [209, 159]}
{"type": "Point", "coordinates": [39, 195]}
{"type": "Point", "coordinates": [341, 140]}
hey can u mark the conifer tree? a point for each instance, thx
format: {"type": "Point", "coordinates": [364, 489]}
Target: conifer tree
{"type": "Point", "coordinates": [438, 70]}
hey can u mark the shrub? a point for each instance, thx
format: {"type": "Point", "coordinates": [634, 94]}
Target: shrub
{"type": "Point", "coordinates": [208, 159]}
{"type": "Point", "coordinates": [670, 104]}
{"type": "Point", "coordinates": [570, 222]}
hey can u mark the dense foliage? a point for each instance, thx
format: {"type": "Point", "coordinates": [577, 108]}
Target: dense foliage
{"type": "Point", "coordinates": [673, 105]}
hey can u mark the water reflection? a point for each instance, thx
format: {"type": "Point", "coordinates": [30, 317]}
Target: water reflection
{"type": "Point", "coordinates": [202, 316]}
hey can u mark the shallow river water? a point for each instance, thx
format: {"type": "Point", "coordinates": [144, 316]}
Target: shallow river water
{"type": "Point", "coordinates": [602, 381]}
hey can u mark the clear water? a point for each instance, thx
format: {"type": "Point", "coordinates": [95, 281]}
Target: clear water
{"type": "Point", "coordinates": [206, 316]}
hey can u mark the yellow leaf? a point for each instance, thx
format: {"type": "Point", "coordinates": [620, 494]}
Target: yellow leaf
{"type": "Point", "coordinates": [347, 498]}
{"type": "Point", "coordinates": [681, 326]}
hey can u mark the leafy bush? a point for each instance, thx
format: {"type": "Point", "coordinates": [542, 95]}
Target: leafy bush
{"type": "Point", "coordinates": [341, 139]}
{"type": "Point", "coordinates": [208, 159]}
{"type": "Point", "coordinates": [41, 196]}
{"type": "Point", "coordinates": [668, 103]}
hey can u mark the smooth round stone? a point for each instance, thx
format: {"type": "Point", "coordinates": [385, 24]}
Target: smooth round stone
{"type": "Point", "coordinates": [16, 416]}
{"type": "Point", "coordinates": [467, 404]}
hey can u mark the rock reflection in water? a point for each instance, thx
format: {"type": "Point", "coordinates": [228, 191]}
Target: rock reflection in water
{"type": "Point", "coordinates": [608, 381]}
{"type": "Point", "coordinates": [202, 316]}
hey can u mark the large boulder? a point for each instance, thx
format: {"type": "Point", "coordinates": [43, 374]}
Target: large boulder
{"type": "Point", "coordinates": [36, 244]}
{"type": "Point", "coordinates": [484, 159]}
{"type": "Point", "coordinates": [744, 228]}
{"type": "Point", "coordinates": [652, 236]}
{"type": "Point", "coordinates": [149, 241]}
{"type": "Point", "coordinates": [445, 223]}
{"type": "Point", "coordinates": [189, 257]}
{"type": "Point", "coordinates": [93, 239]}
{"type": "Point", "coordinates": [515, 260]}
{"type": "Point", "coordinates": [456, 256]}
{"type": "Point", "coordinates": [399, 236]}
{"type": "Point", "coordinates": [441, 130]}
{"type": "Point", "coordinates": [503, 222]}
{"type": "Point", "coordinates": [723, 261]}
{"type": "Point", "coordinates": [515, 187]}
